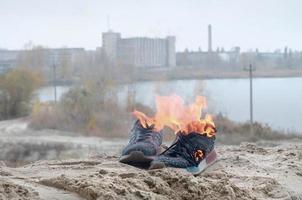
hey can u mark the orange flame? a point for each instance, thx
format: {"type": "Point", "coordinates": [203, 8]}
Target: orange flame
{"type": "Point", "coordinates": [173, 113]}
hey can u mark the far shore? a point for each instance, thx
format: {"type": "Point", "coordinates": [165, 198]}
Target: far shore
{"type": "Point", "coordinates": [189, 73]}
{"type": "Point", "coordinates": [204, 74]}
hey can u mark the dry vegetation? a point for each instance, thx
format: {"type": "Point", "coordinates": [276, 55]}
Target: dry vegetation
{"type": "Point", "coordinates": [82, 110]}
{"type": "Point", "coordinates": [234, 133]}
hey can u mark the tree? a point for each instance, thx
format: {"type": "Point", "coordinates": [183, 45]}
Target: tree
{"type": "Point", "coordinates": [16, 91]}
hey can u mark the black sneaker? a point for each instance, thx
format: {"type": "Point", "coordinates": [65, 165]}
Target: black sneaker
{"type": "Point", "coordinates": [144, 143]}
{"type": "Point", "coordinates": [193, 152]}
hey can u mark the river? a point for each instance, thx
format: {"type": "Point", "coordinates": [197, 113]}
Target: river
{"type": "Point", "coordinates": [276, 100]}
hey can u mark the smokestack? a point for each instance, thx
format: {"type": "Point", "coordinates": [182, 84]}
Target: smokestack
{"type": "Point", "coordinates": [209, 38]}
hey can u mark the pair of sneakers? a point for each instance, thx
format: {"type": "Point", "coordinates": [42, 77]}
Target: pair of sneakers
{"type": "Point", "coordinates": [193, 152]}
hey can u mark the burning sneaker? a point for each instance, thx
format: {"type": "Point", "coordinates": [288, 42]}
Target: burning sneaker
{"type": "Point", "coordinates": [144, 143]}
{"type": "Point", "coordinates": [195, 130]}
{"type": "Point", "coordinates": [193, 152]}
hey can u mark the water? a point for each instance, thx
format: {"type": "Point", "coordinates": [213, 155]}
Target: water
{"type": "Point", "coordinates": [47, 93]}
{"type": "Point", "coordinates": [276, 100]}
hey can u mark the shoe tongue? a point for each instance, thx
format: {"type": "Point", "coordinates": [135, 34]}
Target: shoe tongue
{"type": "Point", "coordinates": [191, 136]}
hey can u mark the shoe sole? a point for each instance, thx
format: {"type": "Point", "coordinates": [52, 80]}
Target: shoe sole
{"type": "Point", "coordinates": [136, 158]}
{"type": "Point", "coordinates": [203, 165]}
{"type": "Point", "coordinates": [157, 165]}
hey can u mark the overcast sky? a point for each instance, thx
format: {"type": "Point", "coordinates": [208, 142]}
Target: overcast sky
{"type": "Point", "coordinates": [266, 24]}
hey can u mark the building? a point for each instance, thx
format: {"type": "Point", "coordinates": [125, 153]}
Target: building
{"type": "Point", "coordinates": [208, 58]}
{"type": "Point", "coordinates": [140, 51]}
{"type": "Point", "coordinates": [209, 38]}
{"type": "Point", "coordinates": [110, 44]}
{"type": "Point", "coordinates": [58, 55]}
{"type": "Point", "coordinates": [9, 58]}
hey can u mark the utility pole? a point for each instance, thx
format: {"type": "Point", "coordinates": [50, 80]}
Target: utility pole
{"type": "Point", "coordinates": [55, 82]}
{"type": "Point", "coordinates": [251, 69]}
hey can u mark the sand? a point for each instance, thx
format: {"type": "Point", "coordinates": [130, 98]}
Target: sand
{"type": "Point", "coordinates": [9, 190]}
{"type": "Point", "coordinates": [248, 171]}
{"type": "Point", "coordinates": [262, 170]}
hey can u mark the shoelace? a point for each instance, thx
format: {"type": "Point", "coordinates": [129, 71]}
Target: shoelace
{"type": "Point", "coordinates": [184, 148]}
{"type": "Point", "coordinates": [146, 133]}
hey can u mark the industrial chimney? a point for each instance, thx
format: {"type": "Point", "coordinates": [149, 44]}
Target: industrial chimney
{"type": "Point", "coordinates": [209, 38]}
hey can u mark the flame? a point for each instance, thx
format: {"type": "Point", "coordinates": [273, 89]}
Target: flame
{"type": "Point", "coordinates": [172, 112]}
{"type": "Point", "coordinates": [198, 155]}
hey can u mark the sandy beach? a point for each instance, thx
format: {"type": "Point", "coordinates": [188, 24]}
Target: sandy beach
{"type": "Point", "coordinates": [89, 169]}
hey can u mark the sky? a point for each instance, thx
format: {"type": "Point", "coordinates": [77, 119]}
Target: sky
{"type": "Point", "coordinates": [250, 24]}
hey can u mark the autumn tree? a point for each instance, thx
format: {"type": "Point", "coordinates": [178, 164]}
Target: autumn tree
{"type": "Point", "coordinates": [17, 88]}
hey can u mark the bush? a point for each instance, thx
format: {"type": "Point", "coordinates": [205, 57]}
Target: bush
{"type": "Point", "coordinates": [83, 110]}
{"type": "Point", "coordinates": [45, 116]}
{"type": "Point", "coordinates": [16, 91]}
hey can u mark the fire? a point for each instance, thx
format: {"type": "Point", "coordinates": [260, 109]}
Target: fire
{"type": "Point", "coordinates": [172, 112]}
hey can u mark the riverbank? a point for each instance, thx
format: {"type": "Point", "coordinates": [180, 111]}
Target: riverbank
{"type": "Point", "coordinates": [190, 73]}
{"type": "Point", "coordinates": [187, 73]}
